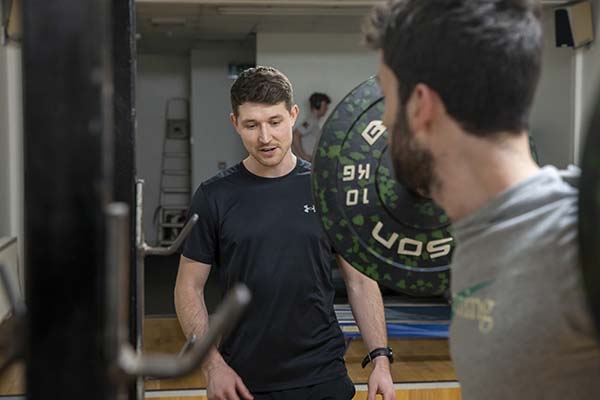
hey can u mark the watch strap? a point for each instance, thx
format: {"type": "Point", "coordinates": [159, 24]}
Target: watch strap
{"type": "Point", "coordinates": [381, 351]}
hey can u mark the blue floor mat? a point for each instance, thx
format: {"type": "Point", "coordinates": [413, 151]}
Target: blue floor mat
{"type": "Point", "coordinates": [403, 320]}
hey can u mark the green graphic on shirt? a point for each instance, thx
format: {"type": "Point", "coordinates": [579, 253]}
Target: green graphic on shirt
{"type": "Point", "coordinates": [459, 297]}
{"type": "Point", "coordinates": [466, 305]}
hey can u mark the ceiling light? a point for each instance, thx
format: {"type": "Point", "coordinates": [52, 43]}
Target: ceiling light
{"type": "Point", "coordinates": [168, 21]}
{"type": "Point", "coordinates": [263, 3]}
{"type": "Point", "coordinates": [313, 11]}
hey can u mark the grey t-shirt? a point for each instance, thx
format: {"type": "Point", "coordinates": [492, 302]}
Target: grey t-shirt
{"type": "Point", "coordinates": [521, 328]}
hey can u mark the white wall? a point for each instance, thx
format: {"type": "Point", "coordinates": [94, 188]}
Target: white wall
{"type": "Point", "coordinates": [333, 63]}
{"type": "Point", "coordinates": [159, 77]}
{"type": "Point", "coordinates": [11, 144]}
{"type": "Point", "coordinates": [4, 160]}
{"type": "Point", "coordinates": [552, 116]}
{"type": "Point", "coordinates": [580, 81]}
{"type": "Point", "coordinates": [214, 138]}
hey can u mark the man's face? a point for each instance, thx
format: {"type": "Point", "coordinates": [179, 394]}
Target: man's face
{"type": "Point", "coordinates": [323, 109]}
{"type": "Point", "coordinates": [266, 131]}
{"type": "Point", "coordinates": [413, 162]}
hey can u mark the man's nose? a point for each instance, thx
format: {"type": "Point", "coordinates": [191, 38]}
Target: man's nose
{"type": "Point", "coordinates": [265, 135]}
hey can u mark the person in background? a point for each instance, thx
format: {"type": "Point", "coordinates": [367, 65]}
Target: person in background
{"type": "Point", "coordinates": [306, 135]}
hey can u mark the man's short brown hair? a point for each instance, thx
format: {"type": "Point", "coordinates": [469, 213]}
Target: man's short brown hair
{"type": "Point", "coordinates": [483, 57]}
{"type": "Point", "coordinates": [265, 85]}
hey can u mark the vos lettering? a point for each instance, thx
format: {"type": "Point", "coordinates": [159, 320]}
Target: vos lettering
{"type": "Point", "coordinates": [412, 247]}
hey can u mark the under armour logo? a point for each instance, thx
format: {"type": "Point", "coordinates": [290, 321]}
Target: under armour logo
{"type": "Point", "coordinates": [307, 209]}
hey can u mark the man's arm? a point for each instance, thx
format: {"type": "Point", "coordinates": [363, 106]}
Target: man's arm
{"type": "Point", "coordinates": [189, 302]}
{"type": "Point", "coordinates": [365, 300]}
{"type": "Point", "coordinates": [223, 382]}
{"type": "Point", "coordinates": [297, 146]}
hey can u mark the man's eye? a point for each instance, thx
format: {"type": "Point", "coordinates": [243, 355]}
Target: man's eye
{"type": "Point", "coordinates": [250, 126]}
{"type": "Point", "coordinates": [275, 123]}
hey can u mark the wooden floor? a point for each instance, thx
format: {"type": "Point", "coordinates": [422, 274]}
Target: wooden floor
{"type": "Point", "coordinates": [419, 394]}
{"type": "Point", "coordinates": [417, 360]}
{"type": "Point", "coordinates": [12, 382]}
{"type": "Point", "coordinates": [430, 394]}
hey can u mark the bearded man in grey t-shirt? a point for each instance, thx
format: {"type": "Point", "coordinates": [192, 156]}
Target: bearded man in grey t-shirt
{"type": "Point", "coordinates": [459, 77]}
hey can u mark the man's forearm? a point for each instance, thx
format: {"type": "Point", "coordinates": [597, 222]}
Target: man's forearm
{"type": "Point", "coordinates": [193, 318]}
{"type": "Point", "coordinates": [367, 306]}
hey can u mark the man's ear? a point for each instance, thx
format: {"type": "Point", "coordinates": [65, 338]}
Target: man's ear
{"type": "Point", "coordinates": [420, 108]}
{"type": "Point", "coordinates": [233, 119]}
{"type": "Point", "coordinates": [294, 113]}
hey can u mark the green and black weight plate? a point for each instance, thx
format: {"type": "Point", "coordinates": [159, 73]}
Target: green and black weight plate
{"type": "Point", "coordinates": [400, 239]}
{"type": "Point", "coordinates": [589, 214]}
{"type": "Point", "coordinates": [397, 238]}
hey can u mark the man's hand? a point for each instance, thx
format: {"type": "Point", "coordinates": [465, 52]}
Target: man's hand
{"type": "Point", "coordinates": [225, 384]}
{"type": "Point", "coordinates": [380, 381]}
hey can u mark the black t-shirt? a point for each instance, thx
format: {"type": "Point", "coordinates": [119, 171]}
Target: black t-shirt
{"type": "Point", "coordinates": [265, 233]}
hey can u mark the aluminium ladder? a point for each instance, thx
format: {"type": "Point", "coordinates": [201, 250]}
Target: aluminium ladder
{"type": "Point", "coordinates": [175, 178]}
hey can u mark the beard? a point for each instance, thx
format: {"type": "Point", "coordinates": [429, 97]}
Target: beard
{"type": "Point", "coordinates": [413, 164]}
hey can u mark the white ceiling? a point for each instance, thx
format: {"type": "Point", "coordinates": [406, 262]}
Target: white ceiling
{"type": "Point", "coordinates": [170, 25]}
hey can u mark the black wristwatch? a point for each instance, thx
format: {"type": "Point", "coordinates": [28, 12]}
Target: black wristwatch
{"type": "Point", "coordinates": [382, 351]}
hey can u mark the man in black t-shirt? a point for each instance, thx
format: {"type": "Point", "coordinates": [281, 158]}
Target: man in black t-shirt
{"type": "Point", "coordinates": [258, 225]}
